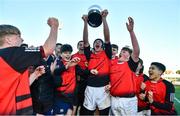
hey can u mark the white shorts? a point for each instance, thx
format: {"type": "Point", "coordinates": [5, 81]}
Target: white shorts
{"type": "Point", "coordinates": [144, 113]}
{"type": "Point", "coordinates": [96, 97]}
{"type": "Point", "coordinates": [123, 106]}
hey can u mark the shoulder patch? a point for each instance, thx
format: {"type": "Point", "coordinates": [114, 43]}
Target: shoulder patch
{"type": "Point", "coordinates": [172, 96]}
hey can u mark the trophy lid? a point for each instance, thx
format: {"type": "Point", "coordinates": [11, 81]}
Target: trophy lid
{"type": "Point", "coordinates": [95, 7]}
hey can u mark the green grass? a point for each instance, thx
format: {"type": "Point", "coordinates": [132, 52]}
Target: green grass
{"type": "Point", "coordinates": [177, 94]}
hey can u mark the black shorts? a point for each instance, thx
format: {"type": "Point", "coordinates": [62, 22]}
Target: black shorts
{"type": "Point", "coordinates": [42, 107]}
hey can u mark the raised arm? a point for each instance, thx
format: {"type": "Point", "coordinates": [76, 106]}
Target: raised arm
{"type": "Point", "coordinates": [104, 14]}
{"type": "Point", "coordinates": [136, 49]}
{"type": "Point", "coordinates": [50, 43]}
{"type": "Point", "coordinates": [85, 31]}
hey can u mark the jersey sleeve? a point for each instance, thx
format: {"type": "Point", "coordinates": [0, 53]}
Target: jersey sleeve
{"type": "Point", "coordinates": [132, 65]}
{"type": "Point", "coordinates": [20, 58]}
{"type": "Point", "coordinates": [108, 50]}
{"type": "Point", "coordinates": [60, 69]}
{"type": "Point", "coordinates": [169, 98]}
{"type": "Point", "coordinates": [87, 52]}
{"type": "Point", "coordinates": [81, 72]}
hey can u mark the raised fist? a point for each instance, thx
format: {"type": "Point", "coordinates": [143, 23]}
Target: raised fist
{"type": "Point", "coordinates": [85, 18]}
{"type": "Point", "coordinates": [130, 25]}
{"type": "Point", "coordinates": [104, 13]}
{"type": "Point", "coordinates": [53, 22]}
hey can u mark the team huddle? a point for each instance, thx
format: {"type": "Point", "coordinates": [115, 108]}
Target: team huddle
{"type": "Point", "coordinates": [50, 80]}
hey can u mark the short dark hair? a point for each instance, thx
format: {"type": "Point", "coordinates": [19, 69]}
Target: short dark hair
{"type": "Point", "coordinates": [66, 48]}
{"type": "Point", "coordinates": [126, 48]}
{"type": "Point", "coordinates": [141, 62]}
{"type": "Point", "coordinates": [160, 66]}
{"type": "Point", "coordinates": [24, 45]}
{"type": "Point", "coordinates": [79, 42]}
{"type": "Point", "coordinates": [115, 46]}
{"type": "Point", "coordinates": [58, 44]}
{"type": "Point", "coordinates": [99, 40]}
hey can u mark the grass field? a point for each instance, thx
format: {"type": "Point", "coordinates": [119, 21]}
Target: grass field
{"type": "Point", "coordinates": [177, 94]}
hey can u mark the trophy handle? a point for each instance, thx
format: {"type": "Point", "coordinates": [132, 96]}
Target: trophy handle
{"type": "Point", "coordinates": [95, 7]}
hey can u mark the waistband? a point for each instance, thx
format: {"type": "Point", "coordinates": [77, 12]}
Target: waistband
{"type": "Point", "coordinates": [130, 95]}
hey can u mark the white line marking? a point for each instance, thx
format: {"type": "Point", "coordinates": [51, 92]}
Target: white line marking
{"type": "Point", "coordinates": [177, 100]}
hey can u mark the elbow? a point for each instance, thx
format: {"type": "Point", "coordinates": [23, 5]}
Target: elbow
{"type": "Point", "coordinates": [136, 54]}
{"type": "Point", "coordinates": [48, 50]}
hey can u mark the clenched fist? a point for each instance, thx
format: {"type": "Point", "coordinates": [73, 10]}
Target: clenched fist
{"type": "Point", "coordinates": [53, 22]}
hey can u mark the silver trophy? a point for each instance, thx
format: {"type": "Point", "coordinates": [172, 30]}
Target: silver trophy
{"type": "Point", "coordinates": [94, 16]}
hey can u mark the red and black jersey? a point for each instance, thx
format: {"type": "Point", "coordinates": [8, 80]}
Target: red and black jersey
{"type": "Point", "coordinates": [113, 60]}
{"type": "Point", "coordinates": [15, 95]}
{"type": "Point", "coordinates": [122, 78]}
{"type": "Point", "coordinates": [139, 79]}
{"type": "Point", "coordinates": [68, 79]}
{"type": "Point", "coordinates": [83, 62]}
{"type": "Point", "coordinates": [101, 62]}
{"type": "Point", "coordinates": [163, 96]}
{"type": "Point", "coordinates": [81, 80]}
{"type": "Point", "coordinates": [66, 90]}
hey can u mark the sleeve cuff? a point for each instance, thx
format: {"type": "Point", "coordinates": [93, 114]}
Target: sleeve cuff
{"type": "Point", "coordinates": [42, 52]}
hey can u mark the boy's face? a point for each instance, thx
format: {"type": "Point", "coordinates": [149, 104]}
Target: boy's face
{"type": "Point", "coordinates": [124, 55]}
{"type": "Point", "coordinates": [14, 40]}
{"type": "Point", "coordinates": [154, 72]}
{"type": "Point", "coordinates": [81, 46]}
{"type": "Point", "coordinates": [58, 50]}
{"type": "Point", "coordinates": [66, 55]}
{"type": "Point", "coordinates": [114, 51]}
{"type": "Point", "coordinates": [98, 45]}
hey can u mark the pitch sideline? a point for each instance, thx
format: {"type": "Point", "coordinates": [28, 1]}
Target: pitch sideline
{"type": "Point", "coordinates": [177, 100]}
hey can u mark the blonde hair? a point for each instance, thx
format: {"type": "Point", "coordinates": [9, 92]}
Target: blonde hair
{"type": "Point", "coordinates": [8, 30]}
